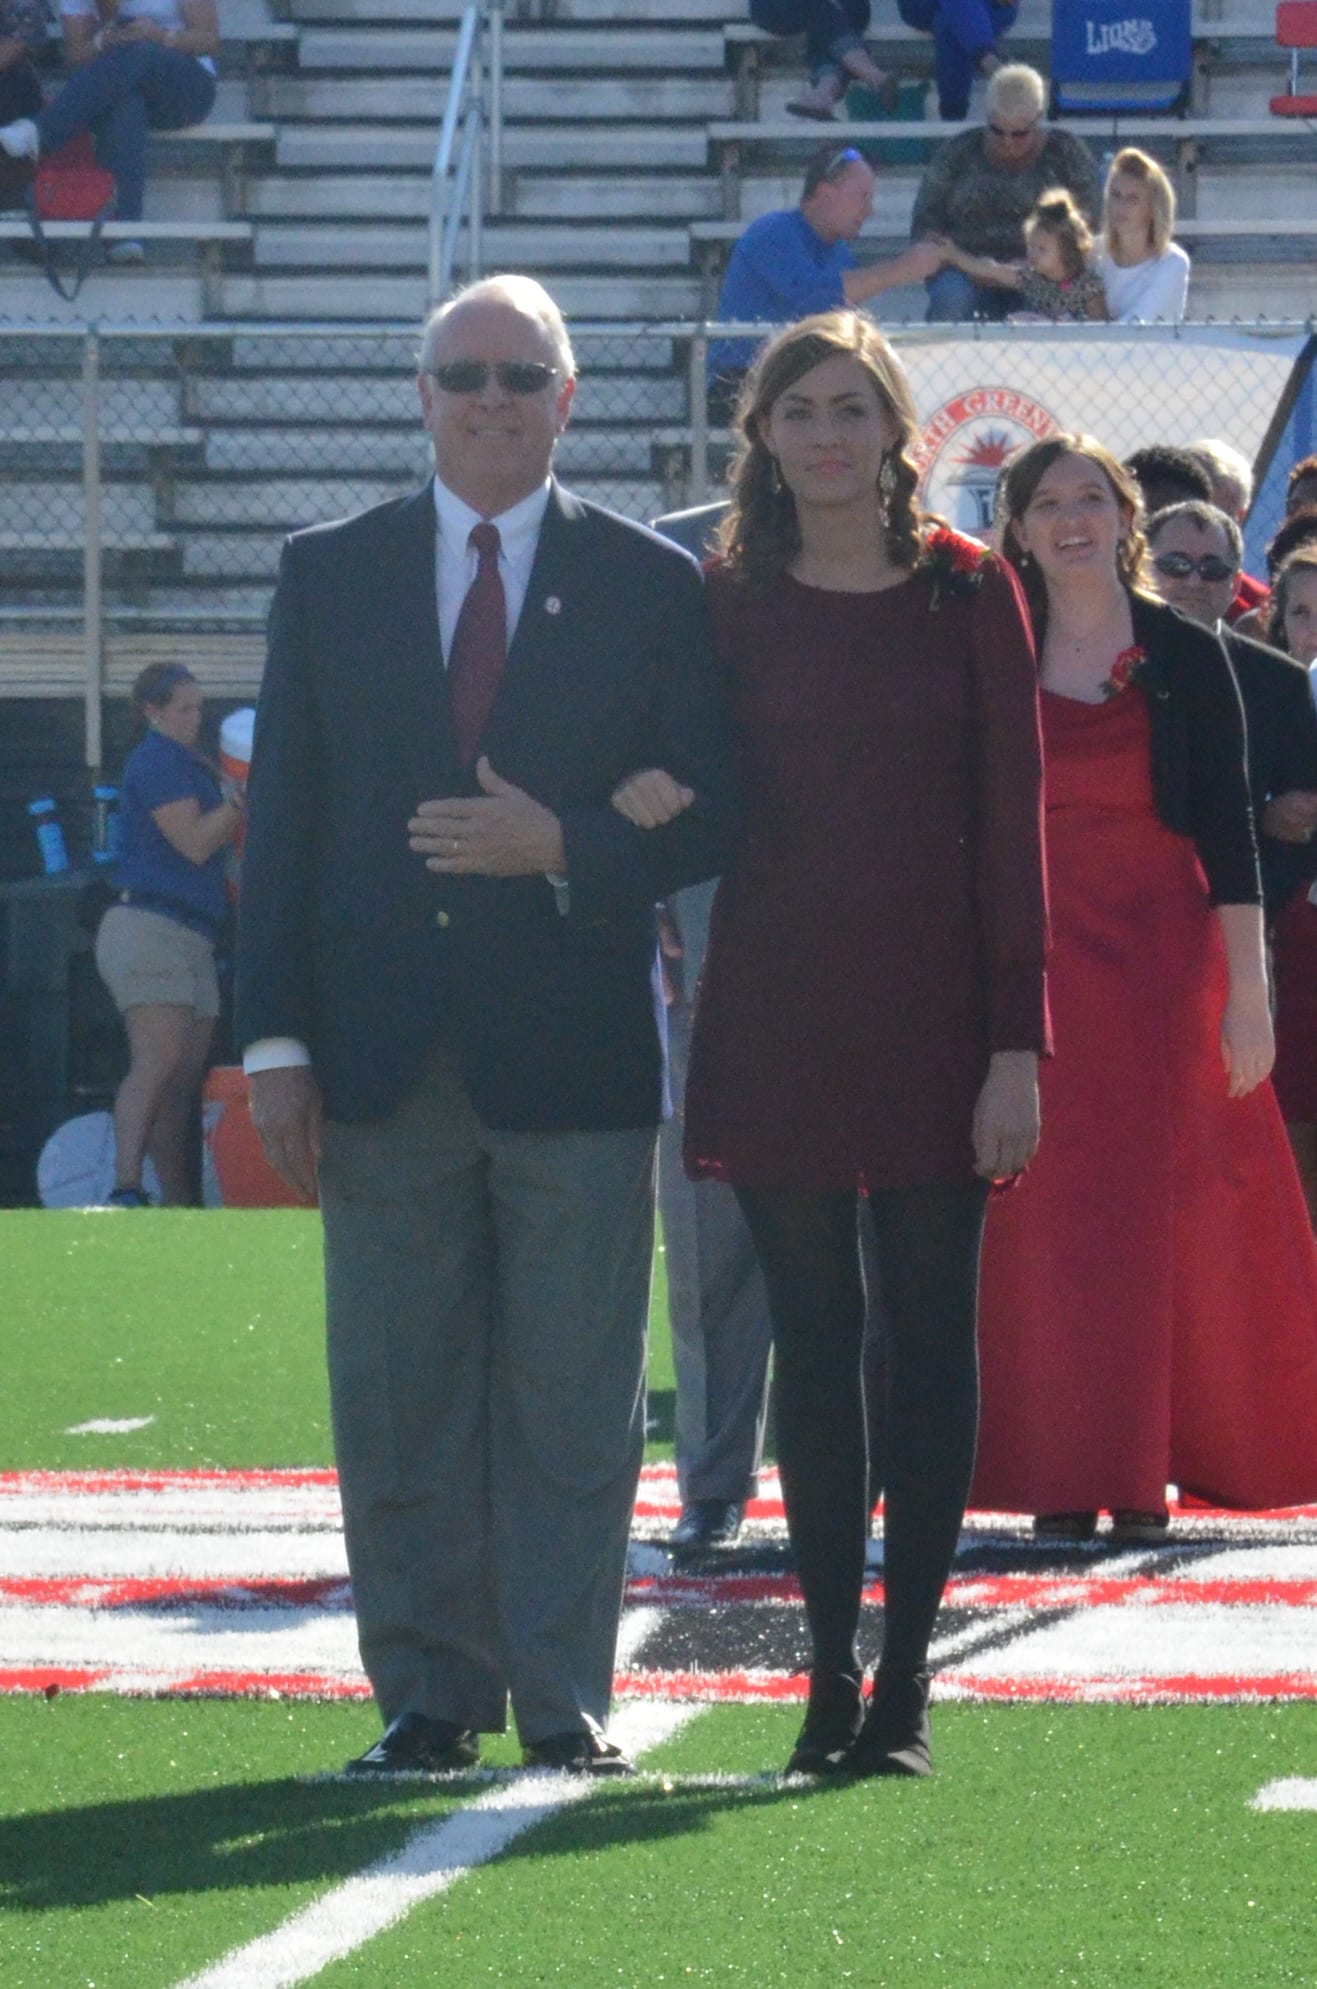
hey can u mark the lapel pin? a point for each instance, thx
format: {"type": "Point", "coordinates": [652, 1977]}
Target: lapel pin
{"type": "Point", "coordinates": [552, 605]}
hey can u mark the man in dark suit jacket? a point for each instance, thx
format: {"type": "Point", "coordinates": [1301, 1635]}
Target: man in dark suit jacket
{"type": "Point", "coordinates": [445, 994]}
{"type": "Point", "coordinates": [1197, 553]}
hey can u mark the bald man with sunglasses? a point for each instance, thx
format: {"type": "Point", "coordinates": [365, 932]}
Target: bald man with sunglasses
{"type": "Point", "coordinates": [799, 260]}
{"type": "Point", "coordinates": [446, 1000]}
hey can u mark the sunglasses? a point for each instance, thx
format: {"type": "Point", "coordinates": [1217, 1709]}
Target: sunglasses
{"type": "Point", "coordinates": [1179, 566]}
{"type": "Point", "coordinates": [515, 376]}
{"type": "Point", "coordinates": [1012, 137]}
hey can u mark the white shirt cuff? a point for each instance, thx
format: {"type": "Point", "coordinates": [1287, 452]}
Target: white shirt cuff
{"type": "Point", "coordinates": [274, 1053]}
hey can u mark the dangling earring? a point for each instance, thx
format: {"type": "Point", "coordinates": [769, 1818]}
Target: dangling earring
{"type": "Point", "coordinates": [887, 478]}
{"type": "Point", "coordinates": [775, 477]}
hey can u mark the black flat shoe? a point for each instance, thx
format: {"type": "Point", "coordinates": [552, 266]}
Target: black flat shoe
{"type": "Point", "coordinates": [1131, 1527]}
{"type": "Point", "coordinates": [414, 1744]}
{"type": "Point", "coordinates": [832, 1720]}
{"type": "Point", "coordinates": [1066, 1527]}
{"type": "Point", "coordinates": [895, 1738]}
{"type": "Point", "coordinates": [584, 1752]}
{"type": "Point", "coordinates": [707, 1524]}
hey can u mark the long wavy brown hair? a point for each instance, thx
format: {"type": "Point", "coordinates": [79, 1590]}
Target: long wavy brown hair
{"type": "Point", "coordinates": [1302, 560]}
{"type": "Point", "coordinates": [1015, 492]}
{"type": "Point", "coordinates": [760, 536]}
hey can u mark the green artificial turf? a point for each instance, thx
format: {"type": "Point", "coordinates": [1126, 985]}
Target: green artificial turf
{"type": "Point", "coordinates": [1094, 1846]}
{"type": "Point", "coordinates": [1098, 1846]}
{"type": "Point", "coordinates": [208, 1321]}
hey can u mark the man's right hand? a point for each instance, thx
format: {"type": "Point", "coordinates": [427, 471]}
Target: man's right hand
{"type": "Point", "coordinates": [287, 1113]}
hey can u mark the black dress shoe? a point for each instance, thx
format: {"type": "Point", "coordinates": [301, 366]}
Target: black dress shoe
{"type": "Point", "coordinates": [414, 1744]}
{"type": "Point", "coordinates": [585, 1752]}
{"type": "Point", "coordinates": [707, 1523]}
{"type": "Point", "coordinates": [895, 1737]}
{"type": "Point", "coordinates": [832, 1720]}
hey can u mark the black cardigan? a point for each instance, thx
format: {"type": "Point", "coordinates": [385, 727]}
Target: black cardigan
{"type": "Point", "coordinates": [1282, 753]}
{"type": "Point", "coordinates": [1199, 776]}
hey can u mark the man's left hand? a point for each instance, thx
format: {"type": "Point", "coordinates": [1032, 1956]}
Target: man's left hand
{"type": "Point", "coordinates": [503, 832]}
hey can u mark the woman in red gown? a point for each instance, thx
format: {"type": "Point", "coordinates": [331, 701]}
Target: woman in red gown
{"type": "Point", "coordinates": [1148, 1308]}
{"type": "Point", "coordinates": [872, 1008]}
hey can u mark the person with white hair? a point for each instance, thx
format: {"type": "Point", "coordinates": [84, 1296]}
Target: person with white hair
{"type": "Point", "coordinates": [1232, 492]}
{"type": "Point", "coordinates": [445, 1001]}
{"type": "Point", "coordinates": [981, 185]}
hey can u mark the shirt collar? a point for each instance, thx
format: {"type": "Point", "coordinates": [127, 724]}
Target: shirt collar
{"type": "Point", "coordinates": [518, 527]}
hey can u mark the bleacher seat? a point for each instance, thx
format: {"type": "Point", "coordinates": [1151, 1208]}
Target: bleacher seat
{"type": "Point", "coordinates": [1108, 58]}
{"type": "Point", "coordinates": [1296, 29]}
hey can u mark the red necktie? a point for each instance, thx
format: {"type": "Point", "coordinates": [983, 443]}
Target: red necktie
{"type": "Point", "coordinates": [480, 643]}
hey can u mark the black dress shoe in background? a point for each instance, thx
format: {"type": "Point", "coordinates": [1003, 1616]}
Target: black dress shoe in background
{"type": "Point", "coordinates": [414, 1744]}
{"type": "Point", "coordinates": [585, 1752]}
{"type": "Point", "coordinates": [706, 1523]}
{"type": "Point", "coordinates": [895, 1738]}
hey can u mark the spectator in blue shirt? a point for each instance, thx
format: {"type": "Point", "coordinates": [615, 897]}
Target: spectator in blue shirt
{"type": "Point", "coordinates": [156, 945]}
{"type": "Point", "coordinates": [789, 264]}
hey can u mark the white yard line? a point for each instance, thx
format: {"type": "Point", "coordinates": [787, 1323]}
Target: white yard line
{"type": "Point", "coordinates": [1294, 1792]}
{"type": "Point", "coordinates": [434, 1859]}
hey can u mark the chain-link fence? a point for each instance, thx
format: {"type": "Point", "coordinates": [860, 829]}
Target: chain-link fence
{"type": "Point", "coordinates": [151, 473]}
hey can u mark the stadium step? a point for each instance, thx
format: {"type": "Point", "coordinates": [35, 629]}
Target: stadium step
{"type": "Point", "coordinates": [396, 99]}
{"type": "Point", "coordinates": [507, 245]}
{"type": "Point", "coordinates": [602, 298]}
{"type": "Point", "coordinates": [575, 50]}
{"type": "Point", "coordinates": [599, 146]}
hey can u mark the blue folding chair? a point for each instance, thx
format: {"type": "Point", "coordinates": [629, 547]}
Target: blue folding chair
{"type": "Point", "coordinates": [1121, 55]}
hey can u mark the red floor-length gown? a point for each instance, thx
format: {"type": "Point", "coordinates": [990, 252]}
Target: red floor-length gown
{"type": "Point", "coordinates": [1148, 1306]}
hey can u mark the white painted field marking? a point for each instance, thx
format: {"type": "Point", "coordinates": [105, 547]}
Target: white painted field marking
{"type": "Point", "coordinates": [434, 1859]}
{"type": "Point", "coordinates": [109, 1426]}
{"type": "Point", "coordinates": [1294, 1792]}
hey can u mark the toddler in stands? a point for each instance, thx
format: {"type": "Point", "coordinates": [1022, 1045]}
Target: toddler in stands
{"type": "Point", "coordinates": [1056, 280]}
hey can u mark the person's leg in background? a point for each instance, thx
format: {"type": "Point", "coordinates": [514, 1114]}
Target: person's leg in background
{"type": "Point", "coordinates": [170, 92]}
{"type": "Point", "coordinates": [953, 298]}
{"type": "Point", "coordinates": [171, 1146]}
{"type": "Point", "coordinates": [158, 1040]}
{"type": "Point", "coordinates": [20, 91]}
{"type": "Point", "coordinates": [717, 1305]}
{"type": "Point", "coordinates": [965, 43]}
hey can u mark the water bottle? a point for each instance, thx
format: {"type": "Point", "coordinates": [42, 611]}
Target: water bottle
{"type": "Point", "coordinates": [50, 836]}
{"type": "Point", "coordinates": [104, 825]}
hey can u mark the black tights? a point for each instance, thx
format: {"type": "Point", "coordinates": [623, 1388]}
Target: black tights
{"type": "Point", "coordinates": [928, 1259]}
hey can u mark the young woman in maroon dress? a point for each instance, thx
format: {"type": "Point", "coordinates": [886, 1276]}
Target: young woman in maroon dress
{"type": "Point", "coordinates": [872, 1006]}
{"type": "Point", "coordinates": [1148, 1308]}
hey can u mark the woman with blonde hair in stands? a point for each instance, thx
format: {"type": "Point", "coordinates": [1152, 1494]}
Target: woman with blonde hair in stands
{"type": "Point", "coordinates": [1145, 274]}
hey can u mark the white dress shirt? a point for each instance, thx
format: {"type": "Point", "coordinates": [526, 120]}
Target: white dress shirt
{"type": "Point", "coordinates": [454, 569]}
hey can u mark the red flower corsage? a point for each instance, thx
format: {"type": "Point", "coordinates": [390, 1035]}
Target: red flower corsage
{"type": "Point", "coordinates": [954, 563]}
{"type": "Point", "coordinates": [1130, 667]}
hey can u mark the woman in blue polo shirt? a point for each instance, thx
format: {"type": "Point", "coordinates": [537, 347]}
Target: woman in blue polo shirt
{"type": "Point", "coordinates": [156, 946]}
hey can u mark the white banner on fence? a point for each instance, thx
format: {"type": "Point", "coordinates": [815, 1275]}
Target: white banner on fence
{"type": "Point", "coordinates": [980, 400]}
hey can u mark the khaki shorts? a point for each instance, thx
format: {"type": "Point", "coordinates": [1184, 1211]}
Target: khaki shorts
{"type": "Point", "coordinates": [146, 958]}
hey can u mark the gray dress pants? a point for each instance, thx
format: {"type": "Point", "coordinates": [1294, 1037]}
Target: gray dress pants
{"type": "Point", "coordinates": [721, 1334]}
{"type": "Point", "coordinates": [487, 1296]}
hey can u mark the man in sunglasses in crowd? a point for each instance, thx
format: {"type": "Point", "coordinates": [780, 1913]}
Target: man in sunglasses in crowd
{"type": "Point", "coordinates": [799, 259]}
{"type": "Point", "coordinates": [445, 996]}
{"type": "Point", "coordinates": [980, 186]}
{"type": "Point", "coordinates": [1196, 552]}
